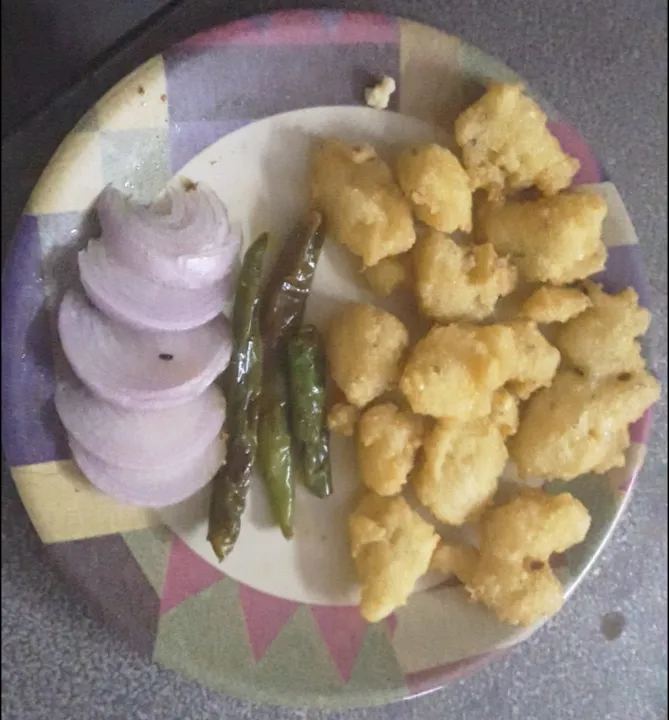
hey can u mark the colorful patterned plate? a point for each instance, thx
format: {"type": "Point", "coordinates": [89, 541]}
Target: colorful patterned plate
{"type": "Point", "coordinates": [233, 106]}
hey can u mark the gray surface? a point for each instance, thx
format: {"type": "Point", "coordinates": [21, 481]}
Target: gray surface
{"type": "Point", "coordinates": [604, 64]}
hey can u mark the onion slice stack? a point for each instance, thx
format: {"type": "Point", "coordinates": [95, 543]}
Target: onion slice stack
{"type": "Point", "coordinates": [137, 440]}
{"type": "Point", "coordinates": [146, 343]}
{"type": "Point", "coordinates": [143, 303]}
{"type": "Point", "coordinates": [190, 245]}
{"type": "Point", "coordinates": [140, 370]}
{"type": "Point", "coordinates": [154, 487]}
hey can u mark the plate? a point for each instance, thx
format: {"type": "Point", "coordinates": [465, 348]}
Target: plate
{"type": "Point", "coordinates": [235, 106]}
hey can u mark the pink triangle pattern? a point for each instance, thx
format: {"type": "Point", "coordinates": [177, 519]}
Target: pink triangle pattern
{"type": "Point", "coordinates": [187, 575]}
{"type": "Point", "coordinates": [365, 27]}
{"type": "Point", "coordinates": [242, 32]}
{"type": "Point", "coordinates": [343, 630]}
{"type": "Point", "coordinates": [265, 616]}
{"type": "Point", "coordinates": [295, 27]}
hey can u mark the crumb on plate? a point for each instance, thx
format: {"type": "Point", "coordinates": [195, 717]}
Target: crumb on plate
{"type": "Point", "coordinates": [378, 96]}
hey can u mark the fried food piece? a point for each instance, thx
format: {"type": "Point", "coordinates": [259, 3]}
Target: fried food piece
{"type": "Point", "coordinates": [536, 360]}
{"type": "Point", "coordinates": [579, 425]}
{"type": "Point", "coordinates": [378, 97]}
{"type": "Point", "coordinates": [510, 572]}
{"type": "Point", "coordinates": [602, 340]}
{"type": "Point", "coordinates": [506, 145]}
{"type": "Point", "coordinates": [365, 347]}
{"type": "Point", "coordinates": [517, 594]}
{"type": "Point", "coordinates": [504, 414]}
{"type": "Point", "coordinates": [364, 208]}
{"type": "Point", "coordinates": [461, 466]}
{"type": "Point", "coordinates": [388, 439]}
{"type": "Point", "coordinates": [437, 187]}
{"type": "Point", "coordinates": [551, 304]}
{"type": "Point", "coordinates": [532, 526]}
{"type": "Point", "coordinates": [454, 370]}
{"type": "Point", "coordinates": [456, 283]}
{"type": "Point", "coordinates": [556, 240]}
{"type": "Point", "coordinates": [387, 275]}
{"type": "Point", "coordinates": [342, 419]}
{"type": "Point", "coordinates": [391, 546]}
{"type": "Point", "coordinates": [458, 560]}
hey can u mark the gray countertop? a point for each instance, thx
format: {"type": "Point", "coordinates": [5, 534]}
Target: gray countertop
{"type": "Point", "coordinates": [604, 65]}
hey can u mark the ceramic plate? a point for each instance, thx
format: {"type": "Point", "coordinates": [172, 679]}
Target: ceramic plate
{"type": "Point", "coordinates": [235, 107]}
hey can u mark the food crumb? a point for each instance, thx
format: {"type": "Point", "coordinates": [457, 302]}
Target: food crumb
{"type": "Point", "coordinates": [140, 90]}
{"type": "Point", "coordinates": [378, 97]}
{"type": "Point", "coordinates": [188, 185]}
{"type": "Point", "coordinates": [163, 97]}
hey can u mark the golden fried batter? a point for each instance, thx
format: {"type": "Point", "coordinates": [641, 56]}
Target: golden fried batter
{"type": "Point", "coordinates": [602, 340]}
{"type": "Point", "coordinates": [391, 546]}
{"type": "Point", "coordinates": [388, 275]}
{"type": "Point", "coordinates": [458, 560]}
{"type": "Point", "coordinates": [454, 370]}
{"type": "Point", "coordinates": [556, 240]}
{"type": "Point", "coordinates": [506, 145]}
{"type": "Point", "coordinates": [456, 283]}
{"type": "Point", "coordinates": [504, 413]}
{"type": "Point", "coordinates": [517, 594]}
{"type": "Point", "coordinates": [460, 469]}
{"type": "Point", "coordinates": [579, 425]}
{"type": "Point", "coordinates": [342, 419]}
{"type": "Point", "coordinates": [533, 526]}
{"type": "Point", "coordinates": [437, 187]}
{"type": "Point", "coordinates": [510, 573]}
{"type": "Point", "coordinates": [365, 347]}
{"type": "Point", "coordinates": [388, 439]}
{"type": "Point", "coordinates": [536, 360]}
{"type": "Point", "coordinates": [550, 304]}
{"type": "Point", "coordinates": [364, 208]}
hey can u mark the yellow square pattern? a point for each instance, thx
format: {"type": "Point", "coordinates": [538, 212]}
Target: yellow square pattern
{"type": "Point", "coordinates": [63, 505]}
{"type": "Point", "coordinates": [139, 101]}
{"type": "Point", "coordinates": [73, 178]}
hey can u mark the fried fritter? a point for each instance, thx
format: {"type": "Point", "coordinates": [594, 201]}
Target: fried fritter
{"type": "Point", "coordinates": [579, 425]}
{"type": "Point", "coordinates": [550, 304]}
{"type": "Point", "coordinates": [365, 347]}
{"type": "Point", "coordinates": [455, 283]}
{"type": "Point", "coordinates": [342, 419]}
{"type": "Point", "coordinates": [388, 439]}
{"type": "Point", "coordinates": [602, 340]}
{"type": "Point", "coordinates": [536, 360]}
{"type": "Point", "coordinates": [506, 145]}
{"type": "Point", "coordinates": [461, 466]}
{"type": "Point", "coordinates": [437, 187]}
{"type": "Point", "coordinates": [454, 370]}
{"type": "Point", "coordinates": [556, 240]}
{"type": "Point", "coordinates": [533, 526]}
{"type": "Point", "coordinates": [391, 546]}
{"type": "Point", "coordinates": [388, 275]}
{"type": "Point", "coordinates": [364, 208]}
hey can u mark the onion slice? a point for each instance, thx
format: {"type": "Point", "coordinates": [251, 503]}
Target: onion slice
{"type": "Point", "coordinates": [144, 303]}
{"type": "Point", "coordinates": [140, 370]}
{"type": "Point", "coordinates": [136, 439]}
{"type": "Point", "coordinates": [187, 243]}
{"type": "Point", "coordinates": [157, 487]}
